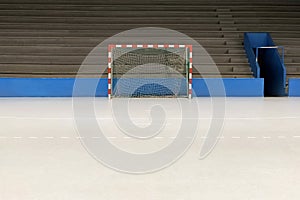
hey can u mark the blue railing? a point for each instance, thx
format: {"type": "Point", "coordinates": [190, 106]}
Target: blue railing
{"type": "Point", "coordinates": [266, 62]}
{"type": "Point", "coordinates": [271, 47]}
{"type": "Point", "coordinates": [251, 57]}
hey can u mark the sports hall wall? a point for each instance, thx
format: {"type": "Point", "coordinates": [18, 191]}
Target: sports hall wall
{"type": "Point", "coordinates": [43, 43]}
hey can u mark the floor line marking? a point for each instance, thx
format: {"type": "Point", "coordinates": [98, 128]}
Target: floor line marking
{"type": "Point", "coordinates": [17, 137]}
{"type": "Point", "coordinates": [157, 137]}
{"type": "Point", "coordinates": [266, 137]}
{"type": "Point", "coordinates": [282, 137]}
{"type": "Point", "coordinates": [111, 118]}
{"type": "Point", "coordinates": [49, 137]}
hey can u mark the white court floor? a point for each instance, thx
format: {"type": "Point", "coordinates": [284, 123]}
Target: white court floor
{"type": "Point", "coordinates": [256, 158]}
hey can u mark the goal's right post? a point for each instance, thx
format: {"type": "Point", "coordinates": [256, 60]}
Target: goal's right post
{"type": "Point", "coordinates": [190, 70]}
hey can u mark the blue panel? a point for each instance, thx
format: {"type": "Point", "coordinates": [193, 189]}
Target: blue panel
{"type": "Point", "coordinates": [48, 87]}
{"type": "Point", "coordinates": [63, 87]}
{"type": "Point", "coordinates": [294, 87]}
{"type": "Point", "coordinates": [234, 87]}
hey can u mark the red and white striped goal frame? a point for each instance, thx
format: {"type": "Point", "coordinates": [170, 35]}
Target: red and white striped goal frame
{"type": "Point", "coordinates": [110, 60]}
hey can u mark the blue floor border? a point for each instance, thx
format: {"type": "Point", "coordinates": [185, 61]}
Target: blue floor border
{"type": "Point", "coordinates": [63, 87]}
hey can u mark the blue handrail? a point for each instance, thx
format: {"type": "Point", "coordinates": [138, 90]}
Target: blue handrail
{"type": "Point", "coordinates": [270, 47]}
{"type": "Point", "coordinates": [267, 64]}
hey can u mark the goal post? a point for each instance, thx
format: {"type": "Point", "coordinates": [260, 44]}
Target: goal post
{"type": "Point", "coordinates": [149, 70]}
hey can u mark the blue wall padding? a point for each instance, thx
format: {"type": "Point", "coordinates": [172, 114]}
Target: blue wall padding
{"type": "Point", "coordinates": [63, 87]}
{"type": "Point", "coordinates": [294, 87]}
{"type": "Point", "coordinates": [90, 87]}
{"type": "Point", "coordinates": [49, 87]}
{"type": "Point", "coordinates": [234, 87]}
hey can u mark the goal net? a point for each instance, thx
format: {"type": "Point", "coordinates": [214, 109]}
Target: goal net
{"type": "Point", "coordinates": [149, 71]}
